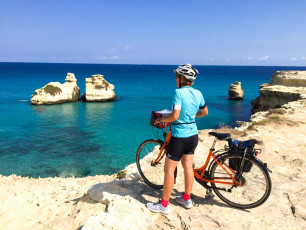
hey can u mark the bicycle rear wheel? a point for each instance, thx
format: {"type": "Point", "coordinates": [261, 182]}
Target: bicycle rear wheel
{"type": "Point", "coordinates": [256, 184]}
{"type": "Point", "coordinates": [148, 151]}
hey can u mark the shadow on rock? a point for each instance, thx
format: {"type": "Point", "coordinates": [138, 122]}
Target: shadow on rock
{"type": "Point", "coordinates": [105, 193]}
{"type": "Point", "coordinates": [135, 188]}
{"type": "Point", "coordinates": [210, 200]}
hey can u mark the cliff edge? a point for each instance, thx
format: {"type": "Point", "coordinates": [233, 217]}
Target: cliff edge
{"type": "Point", "coordinates": [284, 87]}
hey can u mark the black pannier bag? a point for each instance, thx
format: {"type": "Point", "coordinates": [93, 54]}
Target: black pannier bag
{"type": "Point", "coordinates": [235, 164]}
{"type": "Point", "coordinates": [236, 146]}
{"type": "Point", "coordinates": [160, 113]}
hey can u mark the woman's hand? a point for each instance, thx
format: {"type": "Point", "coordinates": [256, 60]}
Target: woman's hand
{"type": "Point", "coordinates": [157, 121]}
{"type": "Point", "coordinates": [170, 118]}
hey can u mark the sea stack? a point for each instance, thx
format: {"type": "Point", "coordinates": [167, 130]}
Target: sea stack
{"type": "Point", "coordinates": [284, 87]}
{"type": "Point", "coordinates": [235, 92]}
{"type": "Point", "coordinates": [56, 93]}
{"type": "Point", "coordinates": [97, 89]}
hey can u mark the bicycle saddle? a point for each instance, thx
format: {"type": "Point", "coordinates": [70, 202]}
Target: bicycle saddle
{"type": "Point", "coordinates": [220, 136]}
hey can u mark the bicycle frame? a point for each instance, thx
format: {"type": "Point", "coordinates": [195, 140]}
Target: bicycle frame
{"type": "Point", "coordinates": [162, 153]}
{"type": "Point", "coordinates": [201, 175]}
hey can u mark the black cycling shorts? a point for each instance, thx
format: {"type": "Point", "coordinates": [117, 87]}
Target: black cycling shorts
{"type": "Point", "coordinates": [178, 146]}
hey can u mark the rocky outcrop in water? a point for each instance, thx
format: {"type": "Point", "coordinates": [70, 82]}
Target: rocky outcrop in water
{"type": "Point", "coordinates": [284, 87]}
{"type": "Point", "coordinates": [56, 93]}
{"type": "Point", "coordinates": [235, 92]}
{"type": "Point", "coordinates": [98, 89]}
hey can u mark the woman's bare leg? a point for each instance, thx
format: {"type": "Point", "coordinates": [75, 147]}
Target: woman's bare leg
{"type": "Point", "coordinates": [170, 166]}
{"type": "Point", "coordinates": [187, 162]}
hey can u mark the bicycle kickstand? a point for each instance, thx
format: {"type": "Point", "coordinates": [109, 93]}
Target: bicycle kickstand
{"type": "Point", "coordinates": [209, 194]}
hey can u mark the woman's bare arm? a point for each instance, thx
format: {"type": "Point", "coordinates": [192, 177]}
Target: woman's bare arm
{"type": "Point", "coordinates": [170, 118]}
{"type": "Point", "coordinates": [202, 112]}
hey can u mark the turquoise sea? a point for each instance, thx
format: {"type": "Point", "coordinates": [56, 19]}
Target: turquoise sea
{"type": "Point", "coordinates": [80, 139]}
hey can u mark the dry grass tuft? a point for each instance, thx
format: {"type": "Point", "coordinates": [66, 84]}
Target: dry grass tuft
{"type": "Point", "coordinates": [279, 111]}
{"type": "Point", "coordinates": [271, 118]}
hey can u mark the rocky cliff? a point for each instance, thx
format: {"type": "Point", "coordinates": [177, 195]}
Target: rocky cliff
{"type": "Point", "coordinates": [98, 89]}
{"type": "Point", "coordinates": [284, 87]}
{"type": "Point", "coordinates": [55, 92]}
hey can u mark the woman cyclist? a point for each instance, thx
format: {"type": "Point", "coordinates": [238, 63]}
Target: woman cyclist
{"type": "Point", "coordinates": [188, 103]}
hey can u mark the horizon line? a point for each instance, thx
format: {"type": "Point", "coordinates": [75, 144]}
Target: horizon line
{"type": "Point", "coordinates": [26, 62]}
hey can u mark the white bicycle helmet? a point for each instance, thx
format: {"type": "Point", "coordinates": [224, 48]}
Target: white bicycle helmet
{"type": "Point", "coordinates": [188, 71]}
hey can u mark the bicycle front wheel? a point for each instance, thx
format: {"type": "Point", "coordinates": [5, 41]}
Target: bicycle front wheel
{"type": "Point", "coordinates": [152, 173]}
{"type": "Point", "coordinates": [255, 185]}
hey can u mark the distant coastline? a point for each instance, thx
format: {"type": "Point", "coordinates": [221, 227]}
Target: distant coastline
{"type": "Point", "coordinates": [147, 64]}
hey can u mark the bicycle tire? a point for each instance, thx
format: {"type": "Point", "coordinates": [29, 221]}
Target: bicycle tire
{"type": "Point", "coordinates": [256, 184]}
{"type": "Point", "coordinates": [147, 152]}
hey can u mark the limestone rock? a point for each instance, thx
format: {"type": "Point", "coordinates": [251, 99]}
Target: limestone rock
{"type": "Point", "coordinates": [55, 92]}
{"type": "Point", "coordinates": [235, 92]}
{"type": "Point", "coordinates": [98, 89]}
{"type": "Point", "coordinates": [284, 87]}
{"type": "Point", "coordinates": [289, 78]}
{"type": "Point", "coordinates": [104, 192]}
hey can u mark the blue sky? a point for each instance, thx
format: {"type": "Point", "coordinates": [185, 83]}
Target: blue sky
{"type": "Point", "coordinates": [202, 32]}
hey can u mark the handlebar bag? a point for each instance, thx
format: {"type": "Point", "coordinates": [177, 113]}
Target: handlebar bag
{"type": "Point", "coordinates": [160, 113]}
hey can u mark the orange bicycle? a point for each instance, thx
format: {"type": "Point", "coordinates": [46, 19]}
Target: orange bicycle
{"type": "Point", "coordinates": [235, 174]}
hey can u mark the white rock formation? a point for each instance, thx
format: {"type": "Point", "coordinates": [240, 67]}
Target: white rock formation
{"type": "Point", "coordinates": [235, 92]}
{"type": "Point", "coordinates": [55, 92]}
{"type": "Point", "coordinates": [98, 89]}
{"type": "Point", "coordinates": [284, 87]}
{"type": "Point", "coordinates": [289, 78]}
{"type": "Point", "coordinates": [104, 192]}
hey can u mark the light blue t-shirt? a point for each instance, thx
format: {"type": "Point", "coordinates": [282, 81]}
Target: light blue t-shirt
{"type": "Point", "coordinates": [189, 101]}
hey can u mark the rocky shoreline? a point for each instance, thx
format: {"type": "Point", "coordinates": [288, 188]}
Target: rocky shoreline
{"type": "Point", "coordinates": [66, 203]}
